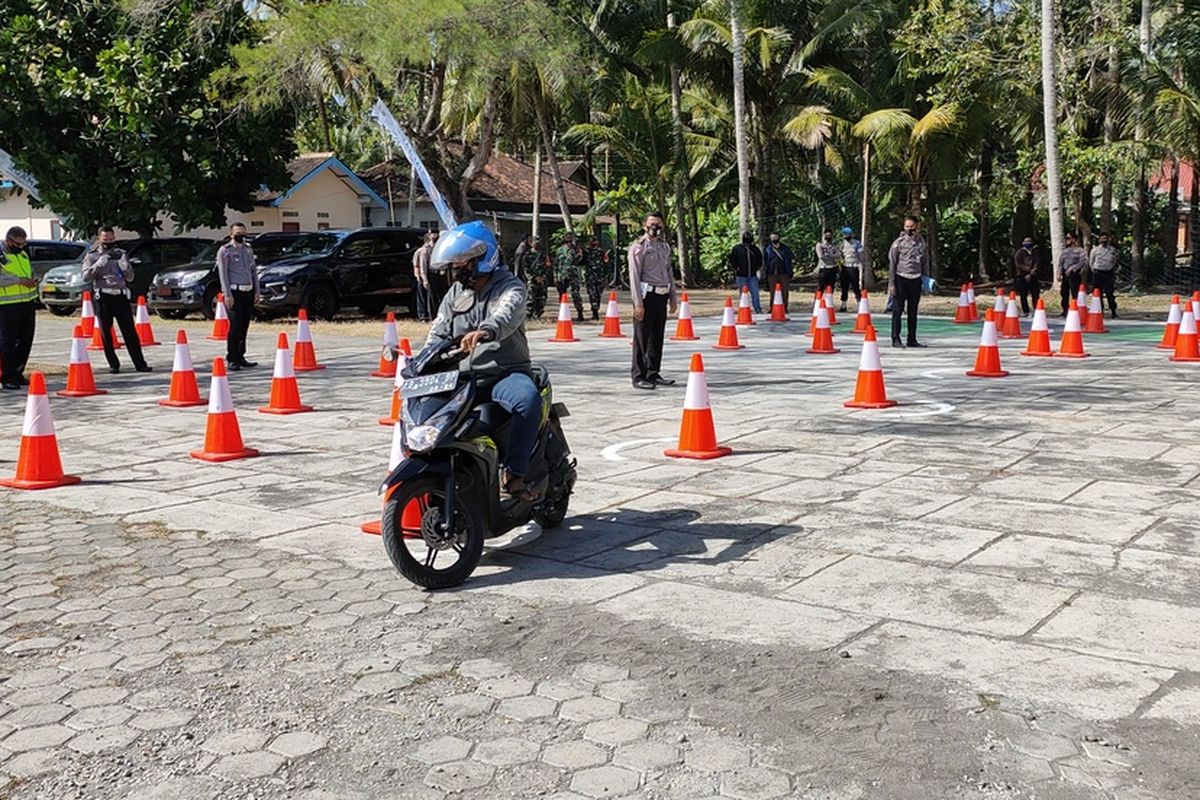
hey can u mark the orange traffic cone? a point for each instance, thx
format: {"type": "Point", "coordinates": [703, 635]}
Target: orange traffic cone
{"type": "Point", "coordinates": [80, 380]}
{"type": "Point", "coordinates": [1095, 318]}
{"type": "Point", "coordinates": [612, 319]}
{"type": "Point", "coordinates": [1012, 318]}
{"type": "Point", "coordinates": [869, 392]}
{"type": "Point", "coordinates": [745, 313]}
{"type": "Point", "coordinates": [222, 435]}
{"type": "Point", "coordinates": [410, 517]}
{"type": "Point", "coordinates": [728, 340]}
{"type": "Point", "coordinates": [564, 331]}
{"type": "Point", "coordinates": [1039, 334]}
{"type": "Point", "coordinates": [987, 362]}
{"type": "Point", "coordinates": [1081, 300]}
{"type": "Point", "coordinates": [1186, 348]}
{"type": "Point", "coordinates": [87, 314]}
{"type": "Point", "coordinates": [97, 342]}
{"type": "Point", "coordinates": [391, 340]}
{"type": "Point", "coordinates": [285, 391]}
{"type": "Point", "coordinates": [684, 331]}
{"type": "Point", "coordinates": [974, 309]}
{"type": "Point", "coordinates": [697, 434]}
{"type": "Point", "coordinates": [1071, 345]}
{"type": "Point", "coordinates": [1001, 304]}
{"type": "Point", "coordinates": [402, 357]}
{"type": "Point", "coordinates": [863, 320]}
{"type": "Point", "coordinates": [145, 332]}
{"type": "Point", "coordinates": [829, 306]}
{"type": "Point", "coordinates": [38, 462]}
{"type": "Point", "coordinates": [304, 357]}
{"type": "Point", "coordinates": [822, 343]}
{"type": "Point", "coordinates": [778, 312]}
{"type": "Point", "coordinates": [818, 298]}
{"type": "Point", "coordinates": [962, 314]}
{"type": "Point", "coordinates": [1196, 304]}
{"type": "Point", "coordinates": [220, 329]}
{"type": "Point", "coordinates": [1172, 330]}
{"type": "Point", "coordinates": [184, 392]}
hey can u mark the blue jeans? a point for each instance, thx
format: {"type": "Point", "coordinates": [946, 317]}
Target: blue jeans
{"type": "Point", "coordinates": [517, 394]}
{"type": "Point", "coordinates": [752, 282]}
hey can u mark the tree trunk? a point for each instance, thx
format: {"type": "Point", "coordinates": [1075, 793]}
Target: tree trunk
{"type": "Point", "coordinates": [560, 187]}
{"type": "Point", "coordinates": [682, 169]}
{"type": "Point", "coordinates": [1110, 136]}
{"type": "Point", "coordinates": [694, 220]}
{"type": "Point", "coordinates": [739, 115]}
{"type": "Point", "coordinates": [1169, 238]}
{"type": "Point", "coordinates": [1050, 121]}
{"type": "Point", "coordinates": [868, 268]}
{"type": "Point", "coordinates": [931, 227]}
{"type": "Point", "coordinates": [326, 135]}
{"type": "Point", "coordinates": [536, 225]}
{"type": "Point", "coordinates": [1194, 220]}
{"type": "Point", "coordinates": [985, 209]}
{"type": "Point", "coordinates": [1141, 276]}
{"type": "Point", "coordinates": [486, 144]}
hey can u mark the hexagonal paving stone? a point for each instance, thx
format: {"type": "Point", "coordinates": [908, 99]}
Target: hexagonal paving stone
{"type": "Point", "coordinates": [99, 696]}
{"type": "Point", "coordinates": [241, 741]}
{"type": "Point", "coordinates": [442, 750]}
{"type": "Point", "coordinates": [33, 645]}
{"type": "Point", "coordinates": [604, 782]}
{"type": "Point", "coordinates": [524, 709]}
{"type": "Point", "coordinates": [589, 709]}
{"type": "Point", "coordinates": [715, 754]}
{"type": "Point", "coordinates": [483, 668]}
{"type": "Point", "coordinates": [30, 716]}
{"type": "Point", "coordinates": [506, 752]}
{"type": "Point", "coordinates": [38, 695]}
{"type": "Point", "coordinates": [32, 678]}
{"type": "Point", "coordinates": [86, 661]}
{"type": "Point", "coordinates": [33, 763]}
{"type": "Point", "coordinates": [616, 731]}
{"type": "Point", "coordinates": [564, 689]}
{"type": "Point", "coordinates": [459, 776]}
{"type": "Point", "coordinates": [462, 706]}
{"type": "Point", "coordinates": [297, 744]}
{"type": "Point", "coordinates": [600, 673]}
{"type": "Point", "coordinates": [646, 756]}
{"type": "Point", "coordinates": [575, 755]}
{"type": "Point", "coordinates": [244, 766]}
{"type": "Point", "coordinates": [755, 783]}
{"type": "Point", "coordinates": [100, 739]}
{"type": "Point", "coordinates": [37, 738]}
{"type": "Point", "coordinates": [161, 720]}
{"type": "Point", "coordinates": [506, 687]}
{"type": "Point", "coordinates": [98, 717]}
{"type": "Point", "coordinates": [382, 683]}
{"type": "Point", "coordinates": [622, 691]}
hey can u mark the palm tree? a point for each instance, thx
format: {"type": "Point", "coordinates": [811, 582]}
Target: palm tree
{"type": "Point", "coordinates": [1050, 121]}
{"type": "Point", "coordinates": [738, 47]}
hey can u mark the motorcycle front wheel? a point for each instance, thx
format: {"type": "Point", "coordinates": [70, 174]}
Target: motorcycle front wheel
{"type": "Point", "coordinates": [427, 549]}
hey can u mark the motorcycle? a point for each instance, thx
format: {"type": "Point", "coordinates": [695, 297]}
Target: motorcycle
{"type": "Point", "coordinates": [444, 498]}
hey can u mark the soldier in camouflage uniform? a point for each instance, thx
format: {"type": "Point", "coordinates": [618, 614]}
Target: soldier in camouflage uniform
{"type": "Point", "coordinates": [568, 271]}
{"type": "Point", "coordinates": [538, 273]}
{"type": "Point", "coordinates": [595, 274]}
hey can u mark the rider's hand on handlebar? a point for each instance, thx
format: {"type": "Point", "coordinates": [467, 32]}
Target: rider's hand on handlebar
{"type": "Point", "coordinates": [473, 339]}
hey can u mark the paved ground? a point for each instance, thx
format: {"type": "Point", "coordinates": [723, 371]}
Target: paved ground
{"type": "Point", "coordinates": [988, 592]}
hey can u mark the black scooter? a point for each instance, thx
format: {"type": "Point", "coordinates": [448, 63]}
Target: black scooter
{"type": "Point", "coordinates": [444, 498]}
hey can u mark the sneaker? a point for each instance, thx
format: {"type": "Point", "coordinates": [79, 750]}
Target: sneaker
{"type": "Point", "coordinates": [915, 343]}
{"type": "Point", "coordinates": [897, 343]}
{"type": "Point", "coordinates": [248, 364]}
{"type": "Point", "coordinates": [234, 366]}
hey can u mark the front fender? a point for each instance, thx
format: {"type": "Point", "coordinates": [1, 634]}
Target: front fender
{"type": "Point", "coordinates": [412, 467]}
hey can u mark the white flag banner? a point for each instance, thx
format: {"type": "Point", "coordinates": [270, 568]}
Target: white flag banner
{"type": "Point", "coordinates": [383, 115]}
{"type": "Point", "coordinates": [22, 179]}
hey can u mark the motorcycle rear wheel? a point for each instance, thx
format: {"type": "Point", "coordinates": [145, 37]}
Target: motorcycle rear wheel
{"type": "Point", "coordinates": [414, 540]}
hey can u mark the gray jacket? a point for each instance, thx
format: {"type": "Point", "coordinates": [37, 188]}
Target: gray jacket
{"type": "Point", "coordinates": [499, 308]}
{"type": "Point", "coordinates": [107, 269]}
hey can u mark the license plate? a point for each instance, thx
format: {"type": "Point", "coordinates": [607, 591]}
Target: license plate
{"type": "Point", "coordinates": [165, 291]}
{"type": "Point", "coordinates": [48, 290]}
{"type": "Point", "coordinates": [437, 383]}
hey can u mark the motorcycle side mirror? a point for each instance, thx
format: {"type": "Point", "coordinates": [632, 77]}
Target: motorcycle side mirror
{"type": "Point", "coordinates": [463, 303]}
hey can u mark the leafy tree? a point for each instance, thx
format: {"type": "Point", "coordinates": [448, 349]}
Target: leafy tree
{"type": "Point", "coordinates": [124, 114]}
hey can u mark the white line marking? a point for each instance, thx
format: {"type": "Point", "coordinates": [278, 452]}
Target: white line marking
{"type": "Point", "coordinates": [612, 452]}
{"type": "Point", "coordinates": [937, 408]}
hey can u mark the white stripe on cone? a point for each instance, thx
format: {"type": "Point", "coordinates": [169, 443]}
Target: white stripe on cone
{"type": "Point", "coordinates": [777, 300]}
{"type": "Point", "coordinates": [303, 334]}
{"type": "Point", "coordinates": [1072, 325]}
{"type": "Point", "coordinates": [397, 452]}
{"type": "Point", "coordinates": [685, 310]}
{"type": "Point", "coordinates": [390, 337]}
{"type": "Point", "coordinates": [1001, 303]}
{"type": "Point", "coordinates": [829, 297]}
{"type": "Point", "coordinates": [864, 306]}
{"type": "Point", "coordinates": [142, 317]}
{"type": "Point", "coordinates": [1081, 300]}
{"type": "Point", "coordinates": [970, 296]}
{"type": "Point", "coordinates": [1094, 306]}
{"type": "Point", "coordinates": [869, 360]}
{"type": "Point", "coordinates": [79, 354]}
{"type": "Point", "coordinates": [1039, 320]}
{"type": "Point", "coordinates": [1011, 309]}
{"type": "Point", "coordinates": [1187, 327]}
{"type": "Point", "coordinates": [962, 298]}
{"type": "Point", "coordinates": [816, 306]}
{"type": "Point", "coordinates": [744, 302]}
{"type": "Point", "coordinates": [38, 420]}
{"type": "Point", "coordinates": [613, 309]}
{"type": "Point", "coordinates": [220, 399]}
{"type": "Point", "coordinates": [87, 310]}
{"type": "Point", "coordinates": [988, 339]}
{"type": "Point", "coordinates": [1174, 316]}
{"type": "Point", "coordinates": [221, 312]}
{"type": "Point", "coordinates": [183, 358]}
{"type": "Point", "coordinates": [1196, 308]}
{"type": "Point", "coordinates": [283, 363]}
{"type": "Point", "coordinates": [728, 317]}
{"type": "Point", "coordinates": [564, 312]}
{"type": "Point", "coordinates": [696, 398]}
{"type": "Point", "coordinates": [822, 317]}
{"type": "Point", "coordinates": [401, 363]}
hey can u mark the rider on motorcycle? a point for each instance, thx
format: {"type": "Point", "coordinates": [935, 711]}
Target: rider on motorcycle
{"type": "Point", "coordinates": [486, 307]}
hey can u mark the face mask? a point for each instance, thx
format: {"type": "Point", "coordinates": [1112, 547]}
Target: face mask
{"type": "Point", "coordinates": [465, 274]}
{"type": "Point", "coordinates": [107, 245]}
{"type": "Point", "coordinates": [15, 248]}
{"type": "Point", "coordinates": [655, 231]}
{"type": "Point", "coordinates": [910, 231]}
{"type": "Point", "coordinates": [239, 237]}
{"type": "Point", "coordinates": [829, 238]}
{"type": "Point", "coordinates": [1027, 245]}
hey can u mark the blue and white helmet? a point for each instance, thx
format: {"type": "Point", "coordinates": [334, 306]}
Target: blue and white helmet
{"type": "Point", "coordinates": [471, 240]}
{"type": "Point", "coordinates": [846, 231]}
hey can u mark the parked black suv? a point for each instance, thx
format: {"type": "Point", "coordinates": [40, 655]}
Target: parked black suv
{"type": "Point", "coordinates": [193, 286]}
{"type": "Point", "coordinates": [62, 288]}
{"type": "Point", "coordinates": [369, 268]}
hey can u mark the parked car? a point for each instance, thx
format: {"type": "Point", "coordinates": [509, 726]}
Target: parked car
{"type": "Point", "coordinates": [61, 290]}
{"type": "Point", "coordinates": [46, 254]}
{"type": "Point", "coordinates": [179, 291]}
{"type": "Point", "coordinates": [367, 268]}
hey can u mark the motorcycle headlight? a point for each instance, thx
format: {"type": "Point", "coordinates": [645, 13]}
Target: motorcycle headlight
{"type": "Point", "coordinates": [422, 438]}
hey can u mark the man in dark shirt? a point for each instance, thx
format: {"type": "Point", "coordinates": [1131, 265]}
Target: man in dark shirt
{"type": "Point", "coordinates": [780, 267]}
{"type": "Point", "coordinates": [746, 260]}
{"type": "Point", "coordinates": [1027, 262]}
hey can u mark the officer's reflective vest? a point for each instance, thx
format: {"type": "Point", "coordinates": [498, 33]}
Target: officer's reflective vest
{"type": "Point", "coordinates": [16, 264]}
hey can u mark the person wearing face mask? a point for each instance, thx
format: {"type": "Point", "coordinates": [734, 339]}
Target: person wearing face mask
{"type": "Point", "coordinates": [18, 296]}
{"type": "Point", "coordinates": [421, 276]}
{"type": "Point", "coordinates": [107, 268]}
{"type": "Point", "coordinates": [652, 284]}
{"type": "Point", "coordinates": [851, 274]}
{"type": "Point", "coordinates": [1027, 262]}
{"type": "Point", "coordinates": [1103, 261]}
{"type": "Point", "coordinates": [493, 332]}
{"type": "Point", "coordinates": [827, 262]}
{"type": "Point", "coordinates": [238, 273]}
{"type": "Point", "coordinates": [780, 268]}
{"type": "Point", "coordinates": [908, 260]}
{"type": "Point", "coordinates": [1070, 266]}
{"type": "Point", "coordinates": [746, 260]}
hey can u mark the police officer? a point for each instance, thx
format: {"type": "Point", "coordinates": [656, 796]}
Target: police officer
{"type": "Point", "coordinates": [851, 274]}
{"type": "Point", "coordinates": [238, 272]}
{"type": "Point", "coordinates": [568, 271]}
{"type": "Point", "coordinates": [1070, 266]}
{"type": "Point", "coordinates": [827, 262]}
{"type": "Point", "coordinates": [1103, 261]}
{"type": "Point", "coordinates": [780, 267]}
{"type": "Point", "coordinates": [107, 268]}
{"type": "Point", "coordinates": [908, 260]}
{"type": "Point", "coordinates": [595, 273]}
{"type": "Point", "coordinates": [1027, 262]}
{"type": "Point", "coordinates": [18, 295]}
{"type": "Point", "coordinates": [652, 284]}
{"type": "Point", "coordinates": [540, 275]}
{"type": "Point", "coordinates": [421, 277]}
